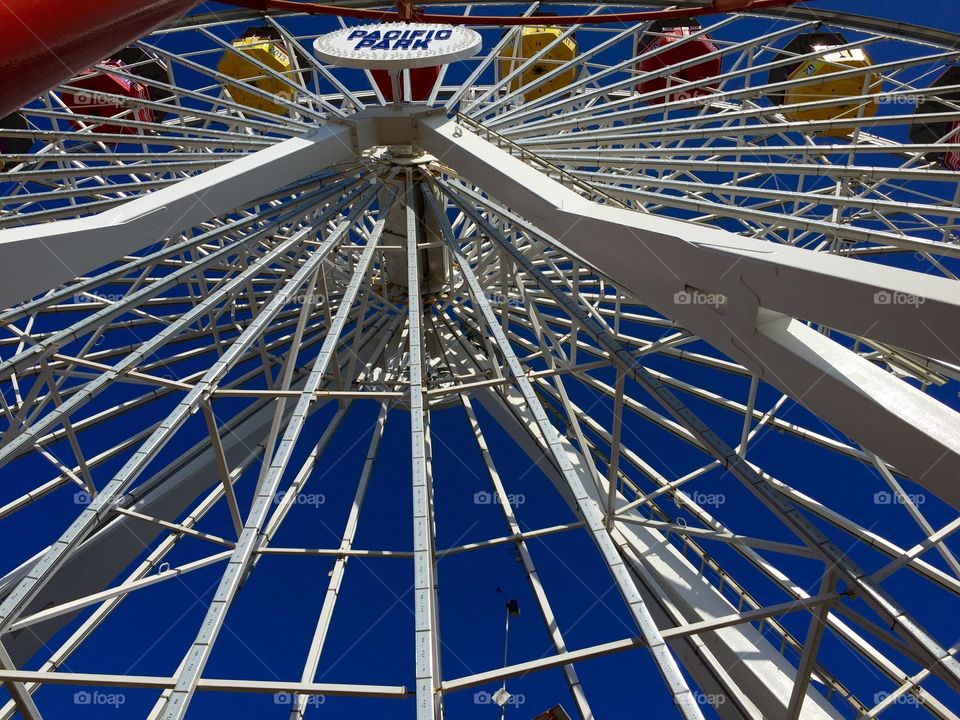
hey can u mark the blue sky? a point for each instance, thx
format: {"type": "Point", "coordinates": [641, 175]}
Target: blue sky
{"type": "Point", "coordinates": [269, 628]}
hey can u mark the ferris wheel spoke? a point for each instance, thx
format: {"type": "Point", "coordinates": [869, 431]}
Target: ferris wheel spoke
{"type": "Point", "coordinates": [233, 143]}
{"type": "Point", "coordinates": [80, 245]}
{"type": "Point", "coordinates": [88, 126]}
{"type": "Point", "coordinates": [198, 654]}
{"type": "Point", "coordinates": [761, 132]}
{"type": "Point", "coordinates": [747, 475]}
{"type": "Point", "coordinates": [698, 163]}
{"type": "Point", "coordinates": [850, 233]}
{"type": "Point", "coordinates": [56, 556]}
{"type": "Point", "coordinates": [427, 627]}
{"type": "Point", "coordinates": [223, 99]}
{"type": "Point", "coordinates": [517, 68]}
{"type": "Point", "coordinates": [55, 168]}
{"type": "Point", "coordinates": [871, 209]}
{"type": "Point", "coordinates": [771, 122]}
{"type": "Point", "coordinates": [665, 661]}
{"type": "Point", "coordinates": [574, 119]}
{"type": "Point", "coordinates": [27, 217]}
{"type": "Point", "coordinates": [506, 416]}
{"type": "Point", "coordinates": [514, 118]}
{"type": "Point", "coordinates": [135, 297]}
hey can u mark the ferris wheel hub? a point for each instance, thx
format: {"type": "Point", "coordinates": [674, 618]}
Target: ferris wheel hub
{"type": "Point", "coordinates": [401, 155]}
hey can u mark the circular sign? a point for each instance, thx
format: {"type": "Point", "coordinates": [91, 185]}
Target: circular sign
{"type": "Point", "coordinates": [395, 46]}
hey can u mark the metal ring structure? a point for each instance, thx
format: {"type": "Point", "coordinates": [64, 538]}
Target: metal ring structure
{"type": "Point", "coordinates": [651, 323]}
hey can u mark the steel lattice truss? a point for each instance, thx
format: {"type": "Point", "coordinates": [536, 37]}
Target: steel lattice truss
{"type": "Point", "coordinates": [608, 276]}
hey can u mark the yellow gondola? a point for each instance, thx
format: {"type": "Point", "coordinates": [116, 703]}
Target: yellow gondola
{"type": "Point", "coordinates": [263, 45]}
{"type": "Point", "coordinates": [819, 82]}
{"type": "Point", "coordinates": [532, 39]}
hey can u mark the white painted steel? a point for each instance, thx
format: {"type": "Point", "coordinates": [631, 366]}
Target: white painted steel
{"type": "Point", "coordinates": [547, 260]}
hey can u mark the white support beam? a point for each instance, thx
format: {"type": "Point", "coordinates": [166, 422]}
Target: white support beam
{"type": "Point", "coordinates": [176, 705]}
{"type": "Point", "coordinates": [58, 553]}
{"type": "Point", "coordinates": [577, 487]}
{"type": "Point", "coordinates": [664, 263]}
{"type": "Point", "coordinates": [207, 684]}
{"type": "Point", "coordinates": [429, 698]}
{"type": "Point", "coordinates": [750, 476]}
{"type": "Point", "coordinates": [665, 257]}
{"type": "Point", "coordinates": [17, 689]}
{"type": "Point", "coordinates": [58, 252]}
{"type": "Point", "coordinates": [342, 554]}
{"type": "Point", "coordinates": [736, 660]}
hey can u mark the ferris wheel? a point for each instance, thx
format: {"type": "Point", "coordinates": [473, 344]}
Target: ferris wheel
{"type": "Point", "coordinates": [647, 312]}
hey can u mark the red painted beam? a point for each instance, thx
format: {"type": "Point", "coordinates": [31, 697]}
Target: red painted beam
{"type": "Point", "coordinates": [46, 42]}
{"type": "Point", "coordinates": [313, 8]}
